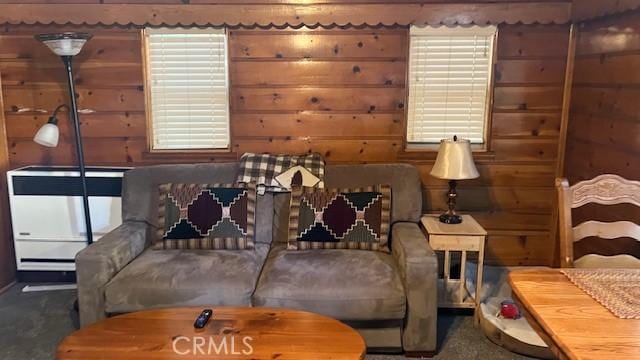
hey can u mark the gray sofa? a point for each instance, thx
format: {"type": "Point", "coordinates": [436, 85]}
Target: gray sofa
{"type": "Point", "coordinates": [389, 298]}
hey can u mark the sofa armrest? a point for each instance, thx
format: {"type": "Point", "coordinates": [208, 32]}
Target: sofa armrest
{"type": "Point", "coordinates": [418, 266]}
{"type": "Point", "coordinates": [98, 263]}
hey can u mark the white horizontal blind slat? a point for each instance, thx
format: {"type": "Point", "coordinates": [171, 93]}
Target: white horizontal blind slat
{"type": "Point", "coordinates": [189, 94]}
{"type": "Point", "coordinates": [449, 76]}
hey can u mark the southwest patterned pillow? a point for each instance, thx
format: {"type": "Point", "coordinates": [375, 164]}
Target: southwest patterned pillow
{"type": "Point", "coordinates": [206, 216]}
{"type": "Point", "coordinates": [340, 218]}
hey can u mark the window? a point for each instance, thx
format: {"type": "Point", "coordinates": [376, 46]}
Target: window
{"type": "Point", "coordinates": [187, 88]}
{"type": "Point", "coordinates": [449, 83]}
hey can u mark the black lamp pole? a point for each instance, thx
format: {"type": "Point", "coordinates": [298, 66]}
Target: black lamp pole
{"type": "Point", "coordinates": [79, 152]}
{"type": "Point", "coordinates": [67, 45]}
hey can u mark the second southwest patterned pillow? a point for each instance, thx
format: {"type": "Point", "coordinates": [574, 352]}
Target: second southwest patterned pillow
{"type": "Point", "coordinates": [206, 216]}
{"type": "Point", "coordinates": [340, 218]}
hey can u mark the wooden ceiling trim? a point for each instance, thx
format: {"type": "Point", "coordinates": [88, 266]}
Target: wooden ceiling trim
{"type": "Point", "coordinates": [584, 10]}
{"type": "Point", "coordinates": [288, 2]}
{"type": "Point", "coordinates": [371, 14]}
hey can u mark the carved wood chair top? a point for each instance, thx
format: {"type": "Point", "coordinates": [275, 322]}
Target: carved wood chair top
{"type": "Point", "coordinates": [606, 189]}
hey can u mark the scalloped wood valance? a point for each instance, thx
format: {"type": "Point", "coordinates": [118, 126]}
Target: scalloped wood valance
{"type": "Point", "coordinates": [296, 14]}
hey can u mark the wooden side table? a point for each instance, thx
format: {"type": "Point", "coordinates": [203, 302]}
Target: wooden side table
{"type": "Point", "coordinates": [464, 237]}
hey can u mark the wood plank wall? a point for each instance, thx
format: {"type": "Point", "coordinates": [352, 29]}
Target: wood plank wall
{"type": "Point", "coordinates": [340, 92]}
{"type": "Point", "coordinates": [7, 258]}
{"type": "Point", "coordinates": [588, 9]}
{"type": "Point", "coordinates": [604, 126]}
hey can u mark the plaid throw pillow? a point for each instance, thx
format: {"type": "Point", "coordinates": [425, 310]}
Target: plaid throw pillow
{"type": "Point", "coordinates": [263, 169]}
{"type": "Point", "coordinates": [206, 216]}
{"type": "Point", "coordinates": [340, 218]}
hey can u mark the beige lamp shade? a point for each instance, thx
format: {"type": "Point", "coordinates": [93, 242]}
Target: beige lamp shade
{"type": "Point", "coordinates": [454, 161]}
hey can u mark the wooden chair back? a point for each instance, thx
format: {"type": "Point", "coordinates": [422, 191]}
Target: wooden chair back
{"type": "Point", "coordinates": [607, 189]}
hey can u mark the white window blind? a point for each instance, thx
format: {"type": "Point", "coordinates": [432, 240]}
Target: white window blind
{"type": "Point", "coordinates": [187, 77]}
{"type": "Point", "coordinates": [449, 76]}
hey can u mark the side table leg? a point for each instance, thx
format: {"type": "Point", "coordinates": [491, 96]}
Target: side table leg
{"type": "Point", "coordinates": [447, 271]}
{"type": "Point", "coordinates": [462, 292]}
{"type": "Point", "coordinates": [479, 280]}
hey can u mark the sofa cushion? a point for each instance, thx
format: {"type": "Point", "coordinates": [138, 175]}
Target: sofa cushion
{"type": "Point", "coordinates": [140, 191]}
{"type": "Point", "coordinates": [404, 179]}
{"type": "Point", "coordinates": [185, 278]}
{"type": "Point", "coordinates": [206, 216]}
{"type": "Point", "coordinates": [356, 218]}
{"type": "Point", "coordinates": [343, 284]}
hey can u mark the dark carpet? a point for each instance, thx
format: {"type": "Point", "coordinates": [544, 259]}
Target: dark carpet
{"type": "Point", "coordinates": [32, 324]}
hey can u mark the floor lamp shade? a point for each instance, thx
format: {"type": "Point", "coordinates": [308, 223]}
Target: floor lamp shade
{"type": "Point", "coordinates": [48, 135]}
{"type": "Point", "coordinates": [65, 44]}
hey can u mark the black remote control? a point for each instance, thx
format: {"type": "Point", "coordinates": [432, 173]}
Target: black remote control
{"type": "Point", "coordinates": [203, 318]}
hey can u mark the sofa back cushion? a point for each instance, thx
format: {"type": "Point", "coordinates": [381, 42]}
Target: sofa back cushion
{"type": "Point", "coordinates": [404, 180]}
{"type": "Point", "coordinates": [140, 192]}
{"type": "Point", "coordinates": [206, 216]}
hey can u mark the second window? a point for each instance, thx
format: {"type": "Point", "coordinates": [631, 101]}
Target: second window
{"type": "Point", "coordinates": [449, 83]}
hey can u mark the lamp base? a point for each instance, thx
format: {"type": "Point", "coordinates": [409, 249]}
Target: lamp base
{"type": "Point", "coordinates": [450, 218]}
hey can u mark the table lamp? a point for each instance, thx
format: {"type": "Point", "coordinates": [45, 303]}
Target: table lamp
{"type": "Point", "coordinates": [454, 162]}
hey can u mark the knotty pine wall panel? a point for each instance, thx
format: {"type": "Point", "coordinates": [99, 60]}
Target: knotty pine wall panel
{"type": "Point", "coordinates": [604, 125]}
{"type": "Point", "coordinates": [316, 78]}
{"type": "Point", "coordinates": [340, 92]}
{"type": "Point", "coordinates": [604, 130]}
{"type": "Point", "coordinates": [515, 198]}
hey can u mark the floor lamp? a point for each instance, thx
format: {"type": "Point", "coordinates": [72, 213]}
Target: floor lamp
{"type": "Point", "coordinates": [67, 45]}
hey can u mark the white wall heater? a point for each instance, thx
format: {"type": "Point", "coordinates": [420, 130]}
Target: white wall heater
{"type": "Point", "coordinates": [47, 215]}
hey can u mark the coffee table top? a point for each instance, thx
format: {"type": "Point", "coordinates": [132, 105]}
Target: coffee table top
{"type": "Point", "coordinates": [232, 333]}
{"type": "Point", "coordinates": [573, 324]}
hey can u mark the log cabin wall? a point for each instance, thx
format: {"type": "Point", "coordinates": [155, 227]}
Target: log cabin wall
{"type": "Point", "coordinates": [583, 10]}
{"type": "Point", "coordinates": [604, 126]}
{"type": "Point", "coordinates": [340, 92]}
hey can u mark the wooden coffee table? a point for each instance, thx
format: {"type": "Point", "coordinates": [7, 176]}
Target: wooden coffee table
{"type": "Point", "coordinates": [232, 333]}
